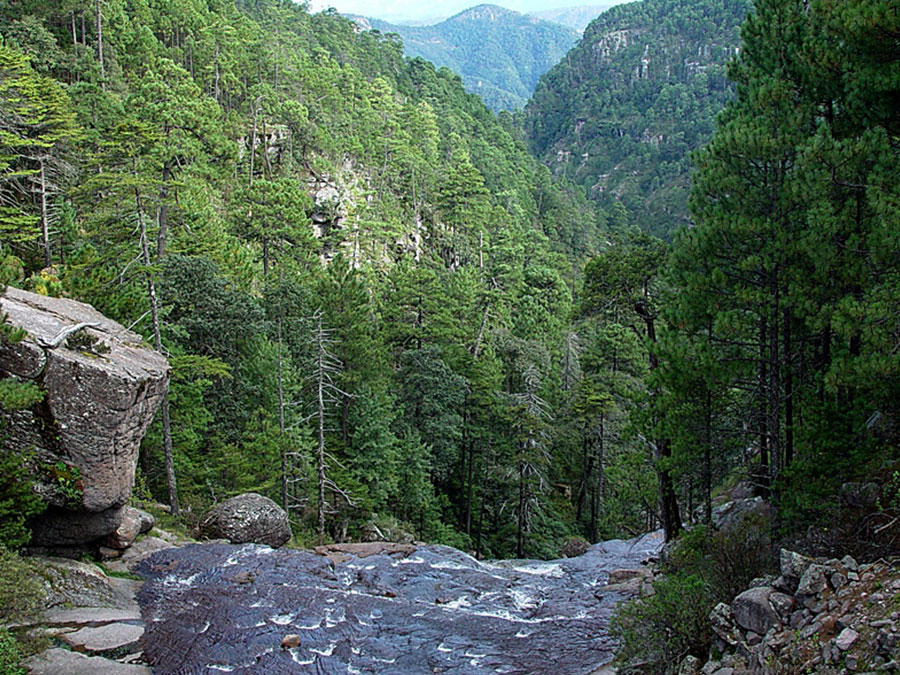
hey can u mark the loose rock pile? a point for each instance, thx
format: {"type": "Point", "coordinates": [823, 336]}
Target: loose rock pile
{"type": "Point", "coordinates": [830, 617]}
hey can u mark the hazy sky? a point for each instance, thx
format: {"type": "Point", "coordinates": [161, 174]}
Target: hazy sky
{"type": "Point", "coordinates": [405, 10]}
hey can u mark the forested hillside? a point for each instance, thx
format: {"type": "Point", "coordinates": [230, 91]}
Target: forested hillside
{"type": "Point", "coordinates": [624, 109]}
{"type": "Point", "coordinates": [499, 53]}
{"type": "Point", "coordinates": [363, 282]}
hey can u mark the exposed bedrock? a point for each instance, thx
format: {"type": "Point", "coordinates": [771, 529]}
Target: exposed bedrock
{"type": "Point", "coordinates": [102, 386]}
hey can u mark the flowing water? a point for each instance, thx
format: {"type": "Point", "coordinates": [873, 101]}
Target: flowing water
{"type": "Point", "coordinates": [219, 608]}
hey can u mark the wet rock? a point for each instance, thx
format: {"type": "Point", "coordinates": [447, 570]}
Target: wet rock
{"type": "Point", "coordinates": [752, 610]}
{"type": "Point", "coordinates": [58, 661]}
{"type": "Point", "coordinates": [247, 518]}
{"type": "Point", "coordinates": [89, 616]}
{"type": "Point", "coordinates": [290, 641]}
{"type": "Point", "coordinates": [432, 609]}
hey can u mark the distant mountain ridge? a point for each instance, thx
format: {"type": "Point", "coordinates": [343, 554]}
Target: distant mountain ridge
{"type": "Point", "coordinates": [500, 54]}
{"type": "Point", "coordinates": [576, 18]}
{"type": "Point", "coordinates": [623, 111]}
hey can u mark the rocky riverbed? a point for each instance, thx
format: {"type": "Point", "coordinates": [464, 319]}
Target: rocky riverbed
{"type": "Point", "coordinates": [214, 608]}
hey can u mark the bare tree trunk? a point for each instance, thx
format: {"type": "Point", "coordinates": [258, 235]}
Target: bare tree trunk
{"type": "Point", "coordinates": [284, 457]}
{"type": "Point", "coordinates": [157, 343]}
{"type": "Point", "coordinates": [162, 214]}
{"type": "Point", "coordinates": [45, 216]}
{"type": "Point", "coordinates": [100, 47]}
{"type": "Point", "coordinates": [320, 411]}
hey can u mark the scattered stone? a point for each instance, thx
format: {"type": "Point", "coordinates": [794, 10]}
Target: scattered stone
{"type": "Point", "coordinates": [782, 604]}
{"type": "Point", "coordinates": [58, 661]}
{"type": "Point", "coordinates": [247, 518]}
{"type": "Point", "coordinates": [290, 641]}
{"type": "Point", "coordinates": [812, 581]}
{"type": "Point", "coordinates": [723, 624]}
{"type": "Point", "coordinates": [846, 639]}
{"type": "Point", "coordinates": [838, 580]}
{"type": "Point", "coordinates": [134, 522]}
{"type": "Point", "coordinates": [105, 638]}
{"type": "Point", "coordinates": [752, 610]}
{"type": "Point", "coordinates": [793, 565]}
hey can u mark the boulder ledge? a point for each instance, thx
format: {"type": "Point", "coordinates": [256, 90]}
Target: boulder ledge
{"type": "Point", "coordinates": [102, 386]}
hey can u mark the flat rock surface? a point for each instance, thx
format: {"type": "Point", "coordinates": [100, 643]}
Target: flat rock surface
{"type": "Point", "coordinates": [105, 638]}
{"type": "Point", "coordinates": [219, 607]}
{"type": "Point", "coordinates": [89, 616]}
{"type": "Point", "coordinates": [63, 662]}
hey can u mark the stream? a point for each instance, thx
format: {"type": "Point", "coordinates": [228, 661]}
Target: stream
{"type": "Point", "coordinates": [221, 608]}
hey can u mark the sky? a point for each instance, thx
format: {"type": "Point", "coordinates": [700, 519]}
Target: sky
{"type": "Point", "coordinates": [417, 10]}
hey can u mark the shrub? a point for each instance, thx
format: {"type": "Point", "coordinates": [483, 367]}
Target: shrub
{"type": "Point", "coordinates": [20, 589]}
{"type": "Point", "coordinates": [10, 654]}
{"type": "Point", "coordinates": [658, 631]}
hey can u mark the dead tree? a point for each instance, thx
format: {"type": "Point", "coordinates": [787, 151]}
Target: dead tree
{"type": "Point", "coordinates": [327, 397]}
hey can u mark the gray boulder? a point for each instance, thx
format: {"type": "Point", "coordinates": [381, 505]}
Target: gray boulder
{"type": "Point", "coordinates": [247, 518]}
{"type": "Point", "coordinates": [134, 522]}
{"type": "Point", "coordinates": [731, 513]}
{"type": "Point", "coordinates": [101, 387]}
{"type": "Point", "coordinates": [752, 610]}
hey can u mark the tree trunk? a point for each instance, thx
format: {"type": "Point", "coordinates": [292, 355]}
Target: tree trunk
{"type": "Point", "coordinates": [168, 453]}
{"type": "Point", "coordinates": [320, 411]}
{"type": "Point", "coordinates": [45, 216]}
{"type": "Point", "coordinates": [100, 47]}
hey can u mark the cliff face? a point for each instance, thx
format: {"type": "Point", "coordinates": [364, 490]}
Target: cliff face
{"type": "Point", "coordinates": [624, 109]}
{"type": "Point", "coordinates": [101, 389]}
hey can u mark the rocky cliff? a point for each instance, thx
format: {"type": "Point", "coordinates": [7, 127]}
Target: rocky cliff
{"type": "Point", "coordinates": [101, 387]}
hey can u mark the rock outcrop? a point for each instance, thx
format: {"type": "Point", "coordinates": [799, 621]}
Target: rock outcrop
{"type": "Point", "coordinates": [247, 519]}
{"type": "Point", "coordinates": [818, 616]}
{"type": "Point", "coordinates": [101, 387]}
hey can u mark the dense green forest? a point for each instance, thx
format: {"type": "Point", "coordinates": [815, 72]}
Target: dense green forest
{"type": "Point", "coordinates": [500, 54]}
{"type": "Point", "coordinates": [622, 112]}
{"type": "Point", "coordinates": [382, 312]}
{"type": "Point", "coordinates": [277, 201]}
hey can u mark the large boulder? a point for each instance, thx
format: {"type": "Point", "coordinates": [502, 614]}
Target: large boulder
{"type": "Point", "coordinates": [752, 610]}
{"type": "Point", "coordinates": [247, 518]}
{"type": "Point", "coordinates": [102, 385]}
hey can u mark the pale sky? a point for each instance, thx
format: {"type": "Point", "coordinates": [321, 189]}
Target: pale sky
{"type": "Point", "coordinates": [415, 10]}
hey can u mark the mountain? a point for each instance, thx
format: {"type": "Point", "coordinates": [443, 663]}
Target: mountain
{"type": "Point", "coordinates": [622, 112]}
{"type": "Point", "coordinates": [499, 53]}
{"type": "Point", "coordinates": [576, 18]}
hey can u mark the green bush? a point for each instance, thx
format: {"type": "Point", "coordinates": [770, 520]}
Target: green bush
{"type": "Point", "coordinates": [656, 632]}
{"type": "Point", "coordinates": [10, 654]}
{"type": "Point", "coordinates": [21, 591]}
{"type": "Point", "coordinates": [707, 567]}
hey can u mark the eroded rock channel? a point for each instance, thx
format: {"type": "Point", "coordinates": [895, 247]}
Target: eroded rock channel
{"type": "Point", "coordinates": [213, 608]}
